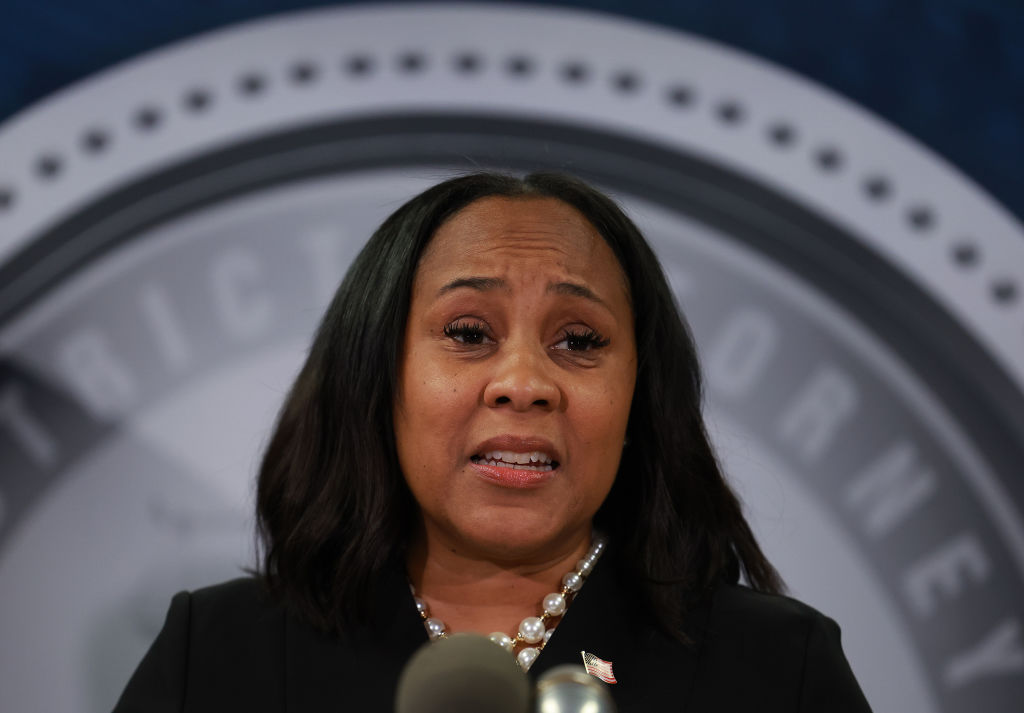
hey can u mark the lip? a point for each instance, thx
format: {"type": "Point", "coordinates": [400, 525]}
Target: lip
{"type": "Point", "coordinates": [509, 477]}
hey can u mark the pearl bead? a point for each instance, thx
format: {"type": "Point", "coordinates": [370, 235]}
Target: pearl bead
{"type": "Point", "coordinates": [435, 627]}
{"type": "Point", "coordinates": [531, 629]}
{"type": "Point", "coordinates": [572, 581]}
{"type": "Point", "coordinates": [526, 657]}
{"type": "Point", "coordinates": [502, 639]}
{"type": "Point", "coordinates": [554, 604]}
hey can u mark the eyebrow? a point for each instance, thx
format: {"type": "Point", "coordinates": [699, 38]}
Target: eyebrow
{"type": "Point", "coordinates": [573, 289]}
{"type": "Point", "coordinates": [485, 284]}
{"type": "Point", "coordinates": [482, 284]}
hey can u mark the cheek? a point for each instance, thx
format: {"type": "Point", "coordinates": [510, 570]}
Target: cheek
{"type": "Point", "coordinates": [602, 413]}
{"type": "Point", "coordinates": [436, 397]}
{"type": "Point", "coordinates": [433, 408]}
{"type": "Point", "coordinates": [600, 426]}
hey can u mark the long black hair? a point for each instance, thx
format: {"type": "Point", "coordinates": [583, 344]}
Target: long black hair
{"type": "Point", "coordinates": [333, 509]}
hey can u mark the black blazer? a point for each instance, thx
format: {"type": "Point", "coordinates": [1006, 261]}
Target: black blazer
{"type": "Point", "coordinates": [229, 648]}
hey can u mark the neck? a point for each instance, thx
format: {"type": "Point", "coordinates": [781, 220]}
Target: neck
{"type": "Point", "coordinates": [472, 592]}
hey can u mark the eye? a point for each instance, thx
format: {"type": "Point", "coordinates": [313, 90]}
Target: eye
{"type": "Point", "coordinates": [581, 340]}
{"type": "Point", "coordinates": [467, 332]}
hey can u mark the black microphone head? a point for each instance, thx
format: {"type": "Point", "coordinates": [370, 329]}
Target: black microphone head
{"type": "Point", "coordinates": [464, 673]}
{"type": "Point", "coordinates": [570, 689]}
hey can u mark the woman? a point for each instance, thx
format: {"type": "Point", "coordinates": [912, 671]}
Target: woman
{"type": "Point", "coordinates": [501, 402]}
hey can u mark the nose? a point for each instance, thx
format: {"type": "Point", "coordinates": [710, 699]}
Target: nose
{"type": "Point", "coordinates": [522, 380]}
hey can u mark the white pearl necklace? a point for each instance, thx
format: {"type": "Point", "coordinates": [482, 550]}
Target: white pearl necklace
{"type": "Point", "coordinates": [534, 631]}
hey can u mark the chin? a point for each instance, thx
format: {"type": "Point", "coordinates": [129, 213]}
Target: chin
{"type": "Point", "coordinates": [501, 539]}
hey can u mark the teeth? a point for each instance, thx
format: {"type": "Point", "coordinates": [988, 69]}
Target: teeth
{"type": "Point", "coordinates": [517, 458]}
{"type": "Point", "coordinates": [517, 466]}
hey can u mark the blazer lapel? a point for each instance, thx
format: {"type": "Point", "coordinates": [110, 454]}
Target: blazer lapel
{"type": "Point", "coordinates": [653, 671]}
{"type": "Point", "coordinates": [358, 671]}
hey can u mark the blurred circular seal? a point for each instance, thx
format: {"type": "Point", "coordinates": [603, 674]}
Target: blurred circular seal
{"type": "Point", "coordinates": [171, 229]}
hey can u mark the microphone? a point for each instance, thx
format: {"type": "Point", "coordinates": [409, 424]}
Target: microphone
{"type": "Point", "coordinates": [570, 689]}
{"type": "Point", "coordinates": [463, 673]}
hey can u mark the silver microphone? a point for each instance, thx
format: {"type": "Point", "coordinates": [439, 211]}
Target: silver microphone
{"type": "Point", "coordinates": [570, 689]}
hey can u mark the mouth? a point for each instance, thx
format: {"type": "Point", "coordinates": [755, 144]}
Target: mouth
{"type": "Point", "coordinates": [515, 461]}
{"type": "Point", "coordinates": [535, 461]}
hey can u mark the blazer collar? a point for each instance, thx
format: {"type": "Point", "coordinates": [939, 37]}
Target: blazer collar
{"type": "Point", "coordinates": [609, 619]}
{"type": "Point", "coordinates": [326, 673]}
{"type": "Point", "coordinates": [360, 670]}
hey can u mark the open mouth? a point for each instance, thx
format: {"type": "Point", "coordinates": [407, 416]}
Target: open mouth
{"type": "Point", "coordinates": [536, 461]}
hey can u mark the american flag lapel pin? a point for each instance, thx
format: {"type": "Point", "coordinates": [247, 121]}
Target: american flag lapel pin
{"type": "Point", "coordinates": [598, 667]}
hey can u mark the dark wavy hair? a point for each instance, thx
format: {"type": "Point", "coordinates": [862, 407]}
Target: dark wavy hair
{"type": "Point", "coordinates": [333, 508]}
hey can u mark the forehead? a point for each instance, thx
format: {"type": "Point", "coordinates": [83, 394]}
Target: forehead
{"type": "Point", "coordinates": [501, 234]}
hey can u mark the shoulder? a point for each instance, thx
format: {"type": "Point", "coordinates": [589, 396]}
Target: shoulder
{"type": "Point", "coordinates": [773, 629]}
{"type": "Point", "coordinates": [245, 596]}
{"type": "Point", "coordinates": [741, 608]}
{"type": "Point", "coordinates": [215, 643]}
{"type": "Point", "coordinates": [236, 641]}
{"type": "Point", "coordinates": [236, 611]}
{"type": "Point", "coordinates": [779, 644]}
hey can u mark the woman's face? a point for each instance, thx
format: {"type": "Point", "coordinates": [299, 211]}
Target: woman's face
{"type": "Point", "coordinates": [516, 378]}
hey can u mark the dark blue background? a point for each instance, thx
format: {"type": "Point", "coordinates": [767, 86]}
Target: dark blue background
{"type": "Point", "coordinates": [949, 72]}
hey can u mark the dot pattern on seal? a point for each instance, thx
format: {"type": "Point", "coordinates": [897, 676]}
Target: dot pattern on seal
{"type": "Point", "coordinates": [252, 84]}
{"type": "Point", "coordinates": [877, 188]}
{"type": "Point", "coordinates": [829, 159]}
{"type": "Point", "coordinates": [729, 112]}
{"type": "Point", "coordinates": [468, 63]}
{"type": "Point", "coordinates": [921, 218]}
{"type": "Point", "coordinates": [575, 72]}
{"type": "Point", "coordinates": [782, 134]}
{"type": "Point", "coordinates": [48, 166]}
{"type": "Point", "coordinates": [1004, 291]}
{"type": "Point", "coordinates": [359, 65]}
{"type": "Point", "coordinates": [675, 94]}
{"type": "Point", "coordinates": [626, 82]}
{"type": "Point", "coordinates": [95, 141]}
{"type": "Point", "coordinates": [411, 62]}
{"type": "Point", "coordinates": [965, 254]}
{"type": "Point", "coordinates": [148, 118]}
{"type": "Point", "coordinates": [197, 100]}
{"type": "Point", "coordinates": [519, 66]}
{"type": "Point", "coordinates": [303, 73]}
{"type": "Point", "coordinates": [680, 95]}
